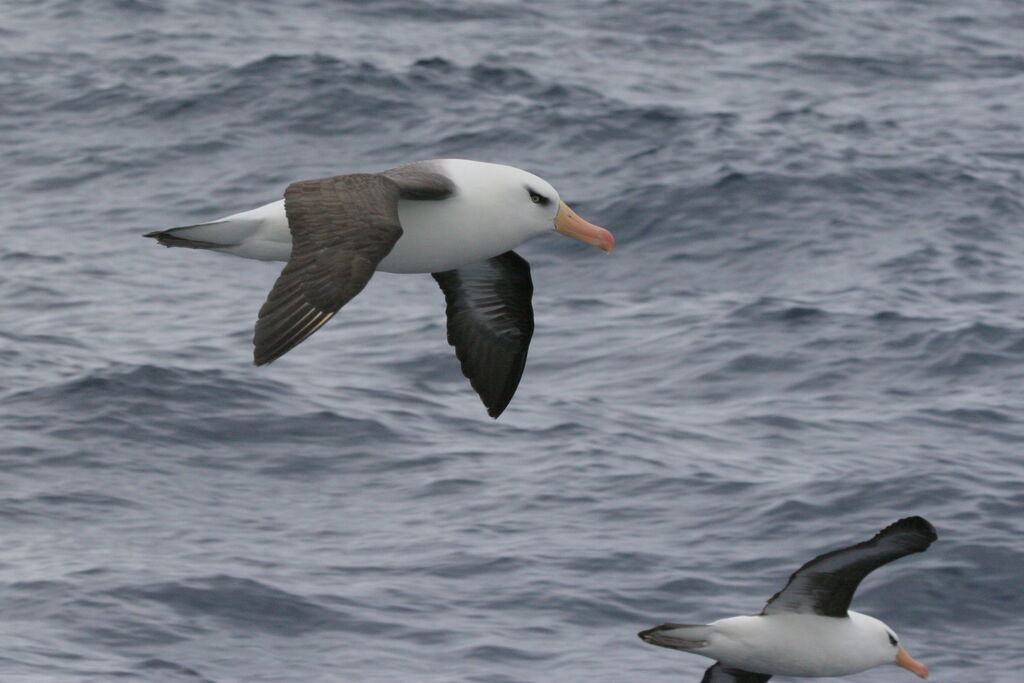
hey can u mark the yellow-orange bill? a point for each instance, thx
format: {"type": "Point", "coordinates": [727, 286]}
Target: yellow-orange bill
{"type": "Point", "coordinates": [568, 223]}
{"type": "Point", "coordinates": [910, 664]}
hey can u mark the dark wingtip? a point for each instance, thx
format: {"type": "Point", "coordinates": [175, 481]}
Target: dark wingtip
{"type": "Point", "coordinates": [917, 524]}
{"type": "Point", "coordinates": [265, 356]}
{"type": "Point", "coordinates": [917, 533]}
{"type": "Point", "coordinates": [496, 400]}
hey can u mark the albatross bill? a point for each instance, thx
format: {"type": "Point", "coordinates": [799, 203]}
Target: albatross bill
{"type": "Point", "coordinates": [571, 225]}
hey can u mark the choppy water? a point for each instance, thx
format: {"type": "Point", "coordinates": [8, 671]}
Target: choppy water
{"type": "Point", "coordinates": [811, 327]}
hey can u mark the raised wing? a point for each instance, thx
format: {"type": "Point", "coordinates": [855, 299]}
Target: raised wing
{"type": "Point", "coordinates": [341, 229]}
{"type": "Point", "coordinates": [826, 584]}
{"type": "Point", "coordinates": [723, 674]}
{"type": "Point", "coordinates": [490, 323]}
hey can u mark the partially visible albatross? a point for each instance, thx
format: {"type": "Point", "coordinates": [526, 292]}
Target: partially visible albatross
{"type": "Point", "coordinates": [456, 219]}
{"type": "Point", "coordinates": [806, 629]}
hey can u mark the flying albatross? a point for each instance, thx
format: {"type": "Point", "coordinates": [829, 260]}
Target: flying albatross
{"type": "Point", "coordinates": [806, 629]}
{"type": "Point", "coordinates": [456, 219]}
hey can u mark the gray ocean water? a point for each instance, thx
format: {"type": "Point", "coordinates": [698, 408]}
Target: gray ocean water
{"type": "Point", "coordinates": [811, 327]}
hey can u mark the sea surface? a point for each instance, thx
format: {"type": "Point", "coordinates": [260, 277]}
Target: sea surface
{"type": "Point", "coordinates": [812, 326]}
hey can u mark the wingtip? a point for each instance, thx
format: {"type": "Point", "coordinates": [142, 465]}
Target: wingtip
{"type": "Point", "coordinates": [914, 523]}
{"type": "Point", "coordinates": [262, 356]}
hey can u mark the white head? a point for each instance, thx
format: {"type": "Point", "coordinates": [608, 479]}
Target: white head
{"type": "Point", "coordinates": [528, 200]}
{"type": "Point", "coordinates": [884, 643]}
{"type": "Point", "coordinates": [902, 658]}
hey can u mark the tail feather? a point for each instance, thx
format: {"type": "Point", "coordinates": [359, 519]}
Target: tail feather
{"type": "Point", "coordinates": [260, 233]}
{"type": "Point", "coordinates": [168, 238]}
{"type": "Point", "coordinates": [677, 636]}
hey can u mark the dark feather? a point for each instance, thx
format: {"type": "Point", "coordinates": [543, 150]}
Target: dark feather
{"type": "Point", "coordinates": [421, 180]}
{"type": "Point", "coordinates": [657, 636]}
{"type": "Point", "coordinates": [490, 323]}
{"type": "Point", "coordinates": [723, 674]}
{"type": "Point", "coordinates": [341, 229]}
{"type": "Point", "coordinates": [826, 584]}
{"type": "Point", "coordinates": [168, 239]}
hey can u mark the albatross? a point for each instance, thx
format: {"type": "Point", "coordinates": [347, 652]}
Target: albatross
{"type": "Point", "coordinates": [456, 219]}
{"type": "Point", "coordinates": [807, 628]}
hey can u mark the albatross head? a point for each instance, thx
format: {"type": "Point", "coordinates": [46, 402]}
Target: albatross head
{"type": "Point", "coordinates": [553, 209]}
{"type": "Point", "coordinates": [878, 645]}
{"type": "Point", "coordinates": [900, 657]}
{"type": "Point", "coordinates": [531, 200]}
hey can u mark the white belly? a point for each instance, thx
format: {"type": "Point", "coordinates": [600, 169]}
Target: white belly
{"type": "Point", "coordinates": [436, 236]}
{"type": "Point", "coordinates": [790, 645]}
{"type": "Point", "coordinates": [439, 236]}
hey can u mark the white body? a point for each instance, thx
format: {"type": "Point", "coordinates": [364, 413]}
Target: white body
{"type": "Point", "coordinates": [799, 644]}
{"type": "Point", "coordinates": [485, 217]}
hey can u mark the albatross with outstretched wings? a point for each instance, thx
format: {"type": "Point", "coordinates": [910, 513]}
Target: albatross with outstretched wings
{"type": "Point", "coordinates": [807, 628]}
{"type": "Point", "coordinates": [456, 219]}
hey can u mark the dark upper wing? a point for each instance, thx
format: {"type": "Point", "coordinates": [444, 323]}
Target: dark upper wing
{"type": "Point", "coordinates": [490, 323]}
{"type": "Point", "coordinates": [723, 674]}
{"type": "Point", "coordinates": [826, 584]}
{"type": "Point", "coordinates": [423, 180]}
{"type": "Point", "coordinates": [341, 228]}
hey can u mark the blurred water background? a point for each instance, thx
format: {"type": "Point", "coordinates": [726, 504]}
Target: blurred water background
{"type": "Point", "coordinates": [812, 326]}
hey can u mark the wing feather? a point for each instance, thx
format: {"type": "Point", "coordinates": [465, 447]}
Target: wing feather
{"type": "Point", "coordinates": [341, 229]}
{"type": "Point", "coordinates": [826, 584]}
{"type": "Point", "coordinates": [490, 324]}
{"type": "Point", "coordinates": [723, 674]}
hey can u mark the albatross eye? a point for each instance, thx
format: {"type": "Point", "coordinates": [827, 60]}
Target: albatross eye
{"type": "Point", "coordinates": [538, 199]}
{"type": "Point", "coordinates": [892, 639]}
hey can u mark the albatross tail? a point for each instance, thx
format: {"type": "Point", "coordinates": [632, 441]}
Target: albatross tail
{"type": "Point", "coordinates": [258, 234]}
{"type": "Point", "coordinates": [199, 236]}
{"type": "Point", "coordinates": [677, 636]}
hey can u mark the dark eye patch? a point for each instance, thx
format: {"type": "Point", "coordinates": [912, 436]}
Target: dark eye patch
{"type": "Point", "coordinates": [538, 198]}
{"type": "Point", "coordinates": [892, 639]}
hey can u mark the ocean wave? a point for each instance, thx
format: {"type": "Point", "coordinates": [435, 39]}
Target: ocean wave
{"type": "Point", "coordinates": [810, 327]}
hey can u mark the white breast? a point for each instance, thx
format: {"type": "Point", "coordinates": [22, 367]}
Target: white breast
{"type": "Point", "coordinates": [439, 236]}
{"type": "Point", "coordinates": [797, 644]}
{"type": "Point", "coordinates": [489, 214]}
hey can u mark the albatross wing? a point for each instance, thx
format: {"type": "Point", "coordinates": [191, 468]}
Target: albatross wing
{"type": "Point", "coordinates": [341, 228]}
{"type": "Point", "coordinates": [490, 323]}
{"type": "Point", "coordinates": [725, 674]}
{"type": "Point", "coordinates": [825, 585]}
